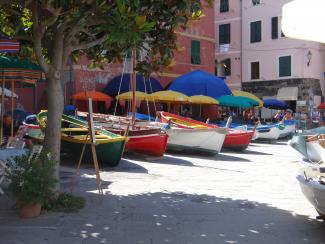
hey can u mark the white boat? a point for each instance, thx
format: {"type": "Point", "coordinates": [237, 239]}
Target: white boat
{"type": "Point", "coordinates": [289, 128]}
{"type": "Point", "coordinates": [316, 148]}
{"type": "Point", "coordinates": [311, 147]}
{"type": "Point", "coordinates": [268, 132]}
{"type": "Point", "coordinates": [204, 139]}
{"type": "Point", "coordinates": [314, 191]}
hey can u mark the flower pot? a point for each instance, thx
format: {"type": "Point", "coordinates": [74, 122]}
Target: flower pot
{"type": "Point", "coordinates": [30, 210]}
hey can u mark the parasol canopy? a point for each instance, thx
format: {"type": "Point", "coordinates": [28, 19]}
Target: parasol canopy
{"type": "Point", "coordinates": [94, 95]}
{"type": "Point", "coordinates": [169, 96]}
{"type": "Point", "coordinates": [321, 106]}
{"type": "Point", "coordinates": [200, 99]}
{"type": "Point", "coordinates": [275, 104]}
{"type": "Point", "coordinates": [232, 101]}
{"type": "Point", "coordinates": [238, 93]}
{"type": "Point", "coordinates": [199, 82]}
{"type": "Point", "coordinates": [138, 95]}
{"type": "Point", "coordinates": [121, 84]}
{"type": "Point", "coordinates": [14, 69]}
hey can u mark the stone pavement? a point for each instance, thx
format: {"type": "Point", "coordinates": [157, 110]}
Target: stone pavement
{"type": "Point", "coordinates": [250, 197]}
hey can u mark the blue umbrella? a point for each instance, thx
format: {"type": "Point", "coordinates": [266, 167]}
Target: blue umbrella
{"type": "Point", "coordinates": [151, 85]}
{"type": "Point", "coordinates": [232, 101]}
{"type": "Point", "coordinates": [199, 82]}
{"type": "Point", "coordinates": [275, 104]}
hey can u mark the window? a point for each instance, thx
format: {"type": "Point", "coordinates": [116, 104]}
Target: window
{"type": "Point", "coordinates": [256, 2]}
{"type": "Point", "coordinates": [255, 70]}
{"type": "Point", "coordinates": [224, 6]}
{"type": "Point", "coordinates": [275, 29]}
{"type": "Point", "coordinates": [224, 34]}
{"type": "Point", "coordinates": [195, 52]}
{"type": "Point", "coordinates": [285, 66]}
{"type": "Point", "coordinates": [256, 31]}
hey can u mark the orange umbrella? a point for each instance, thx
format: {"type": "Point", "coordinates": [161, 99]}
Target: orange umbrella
{"type": "Point", "coordinates": [95, 95]}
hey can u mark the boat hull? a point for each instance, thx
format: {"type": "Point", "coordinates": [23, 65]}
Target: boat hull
{"type": "Point", "coordinates": [153, 145]}
{"type": "Point", "coordinates": [235, 139]}
{"type": "Point", "coordinates": [238, 140]}
{"type": "Point", "coordinates": [314, 192]}
{"type": "Point", "coordinates": [108, 154]}
{"type": "Point", "coordinates": [288, 130]}
{"type": "Point", "coordinates": [315, 152]}
{"type": "Point", "coordinates": [273, 133]}
{"type": "Point", "coordinates": [206, 140]}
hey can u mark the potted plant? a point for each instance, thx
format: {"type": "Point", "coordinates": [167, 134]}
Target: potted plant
{"type": "Point", "coordinates": [31, 183]}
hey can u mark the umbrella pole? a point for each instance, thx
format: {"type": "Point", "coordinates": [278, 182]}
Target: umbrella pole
{"type": "Point", "coordinates": [133, 83]}
{"type": "Point", "coordinates": [12, 107]}
{"type": "Point", "coordinates": [2, 107]}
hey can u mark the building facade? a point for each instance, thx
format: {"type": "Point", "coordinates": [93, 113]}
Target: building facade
{"type": "Point", "coordinates": [228, 42]}
{"type": "Point", "coordinates": [277, 66]}
{"type": "Point", "coordinates": [197, 48]}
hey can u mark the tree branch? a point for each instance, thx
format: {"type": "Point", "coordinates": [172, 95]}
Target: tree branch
{"type": "Point", "coordinates": [90, 44]}
{"type": "Point", "coordinates": [38, 36]}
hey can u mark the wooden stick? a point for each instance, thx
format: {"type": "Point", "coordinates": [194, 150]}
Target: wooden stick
{"type": "Point", "coordinates": [79, 163]}
{"type": "Point", "coordinates": [12, 106]}
{"type": "Point", "coordinates": [93, 145]}
{"type": "Point", "coordinates": [2, 107]}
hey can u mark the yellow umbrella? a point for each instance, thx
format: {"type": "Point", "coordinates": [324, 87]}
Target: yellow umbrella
{"type": "Point", "coordinates": [248, 95]}
{"type": "Point", "coordinates": [138, 95]}
{"type": "Point", "coordinates": [201, 99]}
{"type": "Point", "coordinates": [169, 96]}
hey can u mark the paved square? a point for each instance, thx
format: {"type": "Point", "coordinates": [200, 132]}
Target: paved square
{"type": "Point", "coordinates": [250, 197]}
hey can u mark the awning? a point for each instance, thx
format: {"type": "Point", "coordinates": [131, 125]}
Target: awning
{"type": "Point", "coordinates": [288, 93]}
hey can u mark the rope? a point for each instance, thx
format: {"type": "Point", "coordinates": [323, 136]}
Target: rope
{"type": "Point", "coordinates": [119, 89]}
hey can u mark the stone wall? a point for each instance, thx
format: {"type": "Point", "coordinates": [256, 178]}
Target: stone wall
{"type": "Point", "coordinates": [306, 87]}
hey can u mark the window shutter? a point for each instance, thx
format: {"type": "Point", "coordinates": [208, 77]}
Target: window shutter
{"type": "Point", "coordinates": [195, 52]}
{"type": "Point", "coordinates": [224, 6]}
{"type": "Point", "coordinates": [256, 31]}
{"type": "Point", "coordinates": [224, 34]}
{"type": "Point", "coordinates": [285, 66]}
{"type": "Point", "coordinates": [275, 27]}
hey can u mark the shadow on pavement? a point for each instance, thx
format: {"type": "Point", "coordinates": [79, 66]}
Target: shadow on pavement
{"type": "Point", "coordinates": [163, 217]}
{"type": "Point", "coordinates": [166, 159]}
{"type": "Point", "coordinates": [255, 152]}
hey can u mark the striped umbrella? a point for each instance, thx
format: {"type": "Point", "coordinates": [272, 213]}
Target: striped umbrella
{"type": "Point", "coordinates": [8, 45]}
{"type": "Point", "coordinates": [14, 70]}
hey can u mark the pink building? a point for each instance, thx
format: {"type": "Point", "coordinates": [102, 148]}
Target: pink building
{"type": "Point", "coordinates": [274, 65]}
{"type": "Point", "coordinates": [228, 41]}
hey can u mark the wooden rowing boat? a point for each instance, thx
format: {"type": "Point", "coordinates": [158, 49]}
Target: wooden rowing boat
{"type": "Point", "coordinates": [190, 134]}
{"type": "Point", "coordinates": [234, 139]}
{"type": "Point", "coordinates": [74, 134]}
{"type": "Point", "coordinates": [142, 138]}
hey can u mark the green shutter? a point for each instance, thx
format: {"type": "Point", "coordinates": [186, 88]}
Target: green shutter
{"type": "Point", "coordinates": [224, 34]}
{"type": "Point", "coordinates": [224, 6]}
{"type": "Point", "coordinates": [275, 28]}
{"type": "Point", "coordinates": [256, 31]}
{"type": "Point", "coordinates": [195, 52]}
{"type": "Point", "coordinates": [285, 66]}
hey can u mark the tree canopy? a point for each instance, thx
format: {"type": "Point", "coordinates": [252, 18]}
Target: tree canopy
{"type": "Point", "coordinates": [52, 30]}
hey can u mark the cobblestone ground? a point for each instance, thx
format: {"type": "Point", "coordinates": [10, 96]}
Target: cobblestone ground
{"type": "Point", "coordinates": [250, 197]}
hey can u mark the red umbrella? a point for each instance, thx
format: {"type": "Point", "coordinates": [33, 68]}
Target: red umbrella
{"type": "Point", "coordinates": [95, 95]}
{"type": "Point", "coordinates": [321, 106]}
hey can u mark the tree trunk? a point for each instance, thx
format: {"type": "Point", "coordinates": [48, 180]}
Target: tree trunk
{"type": "Point", "coordinates": [55, 102]}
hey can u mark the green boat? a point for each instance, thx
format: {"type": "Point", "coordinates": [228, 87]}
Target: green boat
{"type": "Point", "coordinates": [109, 146]}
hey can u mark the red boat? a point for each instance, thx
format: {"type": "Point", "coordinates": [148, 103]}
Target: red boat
{"type": "Point", "coordinates": [144, 139]}
{"type": "Point", "coordinates": [235, 139]}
